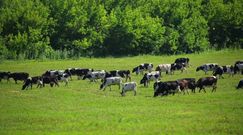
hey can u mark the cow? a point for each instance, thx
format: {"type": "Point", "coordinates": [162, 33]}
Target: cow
{"type": "Point", "coordinates": [95, 75]}
{"type": "Point", "coordinates": [111, 81]}
{"type": "Point", "coordinates": [240, 84]}
{"type": "Point", "coordinates": [143, 67]}
{"type": "Point", "coordinates": [182, 60]}
{"type": "Point", "coordinates": [129, 86]}
{"type": "Point", "coordinates": [163, 68]}
{"type": "Point", "coordinates": [166, 88]}
{"type": "Point", "coordinates": [238, 68]}
{"type": "Point", "coordinates": [30, 81]}
{"type": "Point", "coordinates": [220, 70]}
{"type": "Point", "coordinates": [187, 83]}
{"type": "Point", "coordinates": [63, 78]}
{"type": "Point", "coordinates": [150, 76]}
{"type": "Point", "coordinates": [4, 75]}
{"type": "Point", "coordinates": [178, 66]}
{"type": "Point", "coordinates": [207, 67]}
{"type": "Point", "coordinates": [80, 72]}
{"type": "Point", "coordinates": [119, 73]}
{"type": "Point", "coordinates": [19, 76]}
{"type": "Point", "coordinates": [49, 80]}
{"type": "Point", "coordinates": [207, 81]}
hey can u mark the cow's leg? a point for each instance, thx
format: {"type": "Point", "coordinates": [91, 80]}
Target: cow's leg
{"type": "Point", "coordinates": [66, 82]}
{"type": "Point", "coordinates": [135, 92]}
{"type": "Point", "coordinates": [204, 90]}
{"type": "Point", "coordinates": [15, 81]}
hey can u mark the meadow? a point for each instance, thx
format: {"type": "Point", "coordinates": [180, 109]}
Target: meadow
{"type": "Point", "coordinates": [81, 108]}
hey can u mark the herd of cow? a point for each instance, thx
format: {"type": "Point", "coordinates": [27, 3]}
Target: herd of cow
{"type": "Point", "coordinates": [115, 77]}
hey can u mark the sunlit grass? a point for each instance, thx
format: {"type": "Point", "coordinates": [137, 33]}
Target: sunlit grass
{"type": "Point", "coordinates": [81, 108]}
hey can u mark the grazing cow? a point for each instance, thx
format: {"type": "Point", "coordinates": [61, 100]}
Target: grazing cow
{"type": "Point", "coordinates": [240, 84]}
{"type": "Point", "coordinates": [4, 75]}
{"type": "Point", "coordinates": [30, 81]}
{"type": "Point", "coordinates": [182, 60]}
{"type": "Point", "coordinates": [178, 66]}
{"type": "Point", "coordinates": [129, 86]}
{"type": "Point", "coordinates": [165, 88]}
{"type": "Point", "coordinates": [48, 80]}
{"type": "Point", "coordinates": [63, 78]}
{"type": "Point", "coordinates": [220, 70]}
{"type": "Point", "coordinates": [143, 67]}
{"type": "Point", "coordinates": [80, 72]}
{"type": "Point", "coordinates": [207, 67]}
{"type": "Point", "coordinates": [238, 68]}
{"type": "Point", "coordinates": [207, 81]}
{"type": "Point", "coordinates": [163, 68]}
{"type": "Point", "coordinates": [120, 73]}
{"type": "Point", "coordinates": [111, 81]}
{"type": "Point", "coordinates": [150, 76]}
{"type": "Point", "coordinates": [187, 83]}
{"type": "Point", "coordinates": [19, 76]}
{"type": "Point", "coordinates": [95, 75]}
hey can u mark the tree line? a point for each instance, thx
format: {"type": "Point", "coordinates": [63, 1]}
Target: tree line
{"type": "Point", "coordinates": [31, 29]}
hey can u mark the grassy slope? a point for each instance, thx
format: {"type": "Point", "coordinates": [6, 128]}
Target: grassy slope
{"type": "Point", "coordinates": [82, 108]}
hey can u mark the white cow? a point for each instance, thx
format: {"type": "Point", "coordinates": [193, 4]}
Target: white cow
{"type": "Point", "coordinates": [129, 86]}
{"type": "Point", "coordinates": [111, 81]}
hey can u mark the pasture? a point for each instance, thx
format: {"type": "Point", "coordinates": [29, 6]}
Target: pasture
{"type": "Point", "coordinates": [81, 108]}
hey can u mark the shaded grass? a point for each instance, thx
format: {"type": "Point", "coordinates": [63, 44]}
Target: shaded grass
{"type": "Point", "coordinates": [81, 108]}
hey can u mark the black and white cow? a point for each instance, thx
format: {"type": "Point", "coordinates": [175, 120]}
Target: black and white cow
{"type": "Point", "coordinates": [32, 80]}
{"type": "Point", "coordinates": [238, 68]}
{"type": "Point", "coordinates": [120, 73]}
{"type": "Point", "coordinates": [63, 78]}
{"type": "Point", "coordinates": [150, 76]}
{"type": "Point", "coordinates": [95, 75]}
{"type": "Point", "coordinates": [143, 67]}
{"type": "Point", "coordinates": [164, 68]}
{"type": "Point", "coordinates": [129, 86]}
{"type": "Point", "coordinates": [19, 76]}
{"type": "Point", "coordinates": [182, 60]}
{"type": "Point", "coordinates": [207, 81]}
{"type": "Point", "coordinates": [207, 67]}
{"type": "Point", "coordinates": [4, 75]}
{"type": "Point", "coordinates": [111, 81]}
{"type": "Point", "coordinates": [220, 70]}
{"type": "Point", "coordinates": [178, 66]}
{"type": "Point", "coordinates": [166, 88]}
{"type": "Point", "coordinates": [240, 84]}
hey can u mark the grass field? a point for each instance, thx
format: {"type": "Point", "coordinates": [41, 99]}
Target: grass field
{"type": "Point", "coordinates": [81, 108]}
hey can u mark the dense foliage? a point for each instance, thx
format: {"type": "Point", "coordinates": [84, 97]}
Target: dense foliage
{"type": "Point", "coordinates": [72, 28]}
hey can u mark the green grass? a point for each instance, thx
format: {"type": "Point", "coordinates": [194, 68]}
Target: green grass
{"type": "Point", "coordinates": [81, 108]}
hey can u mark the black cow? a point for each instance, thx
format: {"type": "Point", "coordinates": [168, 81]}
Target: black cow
{"type": "Point", "coordinates": [182, 60]}
{"type": "Point", "coordinates": [4, 75]}
{"type": "Point", "coordinates": [32, 80]}
{"type": "Point", "coordinates": [165, 88]}
{"type": "Point", "coordinates": [19, 76]}
{"type": "Point", "coordinates": [220, 70]}
{"type": "Point", "coordinates": [49, 80]}
{"type": "Point", "coordinates": [240, 84]}
{"type": "Point", "coordinates": [80, 72]}
{"type": "Point", "coordinates": [120, 73]}
{"type": "Point", "coordinates": [207, 81]}
{"type": "Point", "coordinates": [143, 67]}
{"type": "Point", "coordinates": [178, 66]}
